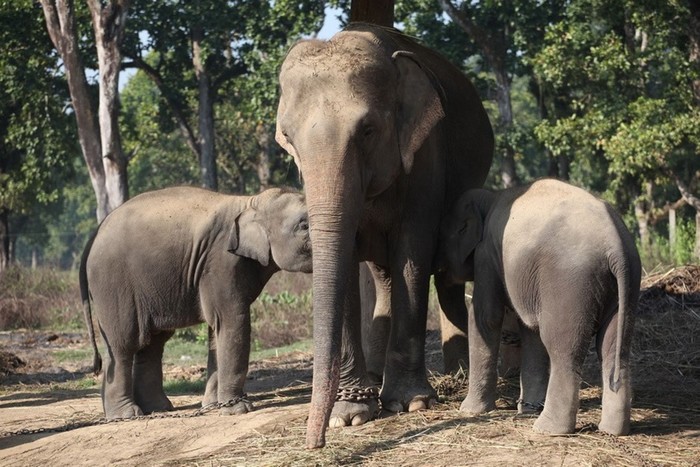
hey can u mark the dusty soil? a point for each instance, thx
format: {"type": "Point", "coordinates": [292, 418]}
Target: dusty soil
{"type": "Point", "coordinates": [62, 419]}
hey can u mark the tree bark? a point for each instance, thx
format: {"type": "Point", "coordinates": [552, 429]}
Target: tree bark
{"type": "Point", "coordinates": [207, 155]}
{"type": "Point", "coordinates": [694, 202]}
{"type": "Point", "coordinates": [264, 155]}
{"type": "Point", "coordinates": [175, 108]}
{"type": "Point", "coordinates": [4, 240]}
{"type": "Point", "coordinates": [379, 12]}
{"type": "Point", "coordinates": [60, 23]}
{"type": "Point", "coordinates": [108, 22]}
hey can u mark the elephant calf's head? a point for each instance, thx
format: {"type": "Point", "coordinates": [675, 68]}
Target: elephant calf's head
{"type": "Point", "coordinates": [275, 225]}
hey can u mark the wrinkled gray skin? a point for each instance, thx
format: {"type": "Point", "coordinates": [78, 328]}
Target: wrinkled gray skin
{"type": "Point", "coordinates": [565, 263]}
{"type": "Point", "coordinates": [176, 257]}
{"type": "Point", "coordinates": [378, 126]}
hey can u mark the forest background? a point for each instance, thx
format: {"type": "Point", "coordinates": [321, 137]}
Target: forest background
{"type": "Point", "coordinates": [603, 93]}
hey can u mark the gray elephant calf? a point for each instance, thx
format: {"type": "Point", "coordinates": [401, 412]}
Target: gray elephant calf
{"type": "Point", "coordinates": [177, 257]}
{"type": "Point", "coordinates": [565, 263]}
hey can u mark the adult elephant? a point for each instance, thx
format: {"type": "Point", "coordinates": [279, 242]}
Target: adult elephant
{"type": "Point", "coordinates": [386, 133]}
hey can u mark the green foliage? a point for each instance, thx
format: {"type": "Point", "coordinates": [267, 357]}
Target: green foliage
{"type": "Point", "coordinates": [280, 319]}
{"type": "Point", "coordinates": [36, 136]}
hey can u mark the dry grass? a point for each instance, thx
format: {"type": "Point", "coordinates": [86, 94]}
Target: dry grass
{"type": "Point", "coordinates": [35, 298]}
{"type": "Point", "coordinates": [665, 415]}
{"type": "Point", "coordinates": [666, 411]}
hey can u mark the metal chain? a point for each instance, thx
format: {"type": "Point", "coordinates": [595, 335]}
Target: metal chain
{"type": "Point", "coordinates": [535, 407]}
{"type": "Point", "coordinates": [641, 459]}
{"type": "Point", "coordinates": [357, 394]}
{"type": "Point", "coordinates": [103, 421]}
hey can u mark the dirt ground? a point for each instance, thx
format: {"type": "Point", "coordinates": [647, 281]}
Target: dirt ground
{"type": "Point", "coordinates": [62, 421]}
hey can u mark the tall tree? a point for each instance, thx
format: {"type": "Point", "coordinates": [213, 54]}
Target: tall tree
{"type": "Point", "coordinates": [627, 70]}
{"type": "Point", "coordinates": [373, 11]}
{"type": "Point", "coordinates": [502, 31]}
{"type": "Point", "coordinates": [35, 132]}
{"type": "Point", "coordinates": [191, 51]}
{"type": "Point", "coordinates": [108, 22]}
{"type": "Point", "coordinates": [100, 142]}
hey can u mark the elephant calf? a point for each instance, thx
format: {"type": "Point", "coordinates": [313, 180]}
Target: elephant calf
{"type": "Point", "coordinates": [177, 257]}
{"type": "Point", "coordinates": [565, 263]}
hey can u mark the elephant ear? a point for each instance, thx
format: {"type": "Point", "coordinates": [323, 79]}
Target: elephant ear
{"type": "Point", "coordinates": [470, 230]}
{"type": "Point", "coordinates": [282, 140]}
{"type": "Point", "coordinates": [249, 239]}
{"type": "Point", "coordinates": [419, 105]}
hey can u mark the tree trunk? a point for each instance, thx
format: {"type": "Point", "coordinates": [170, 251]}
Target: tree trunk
{"type": "Point", "coordinates": [493, 46]}
{"type": "Point", "coordinates": [379, 12]}
{"type": "Point", "coordinates": [207, 155]}
{"type": "Point", "coordinates": [672, 231]}
{"type": "Point", "coordinates": [265, 139]}
{"type": "Point", "coordinates": [4, 240]}
{"type": "Point", "coordinates": [60, 23]}
{"type": "Point", "coordinates": [108, 23]}
{"type": "Point", "coordinates": [642, 211]}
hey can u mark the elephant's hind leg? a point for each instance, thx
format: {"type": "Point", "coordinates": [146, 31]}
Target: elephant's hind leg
{"type": "Point", "coordinates": [566, 342]}
{"type": "Point", "coordinates": [117, 384]}
{"type": "Point", "coordinates": [617, 402]}
{"type": "Point", "coordinates": [148, 375]}
{"type": "Point", "coordinates": [534, 372]}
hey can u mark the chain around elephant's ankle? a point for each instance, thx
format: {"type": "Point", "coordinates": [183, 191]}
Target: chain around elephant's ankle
{"type": "Point", "coordinates": [357, 393]}
{"type": "Point", "coordinates": [535, 407]}
{"type": "Point", "coordinates": [219, 405]}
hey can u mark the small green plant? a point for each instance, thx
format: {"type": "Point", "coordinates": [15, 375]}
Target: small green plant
{"type": "Point", "coordinates": [180, 386]}
{"type": "Point", "coordinates": [685, 242]}
{"type": "Point", "coordinates": [280, 319]}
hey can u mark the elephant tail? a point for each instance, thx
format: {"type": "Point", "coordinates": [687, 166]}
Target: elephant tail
{"type": "Point", "coordinates": [87, 310]}
{"type": "Point", "coordinates": [625, 277]}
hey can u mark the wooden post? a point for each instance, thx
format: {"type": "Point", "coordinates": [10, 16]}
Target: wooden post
{"type": "Point", "coordinates": [697, 235]}
{"type": "Point", "coordinates": [379, 12]}
{"type": "Point", "coordinates": [672, 230]}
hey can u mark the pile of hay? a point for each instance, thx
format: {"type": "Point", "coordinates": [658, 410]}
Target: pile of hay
{"type": "Point", "coordinates": [677, 287]}
{"type": "Point", "coordinates": [9, 362]}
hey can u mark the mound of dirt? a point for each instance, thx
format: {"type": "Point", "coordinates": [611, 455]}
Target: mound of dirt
{"type": "Point", "coordinates": [9, 363]}
{"type": "Point", "coordinates": [679, 285]}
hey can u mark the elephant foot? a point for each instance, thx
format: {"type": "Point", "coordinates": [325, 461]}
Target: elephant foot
{"type": "Point", "coordinates": [548, 425]}
{"type": "Point", "coordinates": [159, 405]}
{"type": "Point", "coordinates": [409, 399]}
{"type": "Point", "coordinates": [348, 413]}
{"type": "Point", "coordinates": [127, 410]}
{"type": "Point", "coordinates": [614, 427]}
{"type": "Point", "coordinates": [209, 399]}
{"type": "Point", "coordinates": [237, 406]}
{"type": "Point", "coordinates": [529, 408]}
{"type": "Point", "coordinates": [476, 405]}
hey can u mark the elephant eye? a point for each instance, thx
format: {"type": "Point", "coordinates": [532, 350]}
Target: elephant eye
{"type": "Point", "coordinates": [367, 131]}
{"type": "Point", "coordinates": [303, 225]}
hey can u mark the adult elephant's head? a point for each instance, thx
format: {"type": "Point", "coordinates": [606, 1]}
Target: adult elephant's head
{"type": "Point", "coordinates": [352, 113]}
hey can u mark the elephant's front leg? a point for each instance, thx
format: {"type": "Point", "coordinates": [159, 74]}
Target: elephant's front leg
{"type": "Point", "coordinates": [380, 326]}
{"type": "Point", "coordinates": [232, 353]}
{"type": "Point", "coordinates": [485, 320]}
{"type": "Point", "coordinates": [148, 375]}
{"type": "Point", "coordinates": [406, 384]}
{"type": "Point", "coordinates": [453, 323]}
{"type": "Point", "coordinates": [357, 400]}
{"type": "Point", "coordinates": [212, 388]}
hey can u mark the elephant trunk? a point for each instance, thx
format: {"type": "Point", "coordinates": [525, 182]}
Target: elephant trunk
{"type": "Point", "coordinates": [333, 219]}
